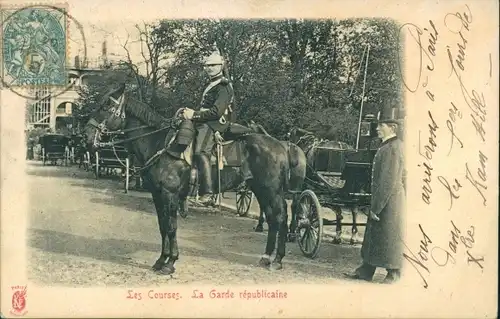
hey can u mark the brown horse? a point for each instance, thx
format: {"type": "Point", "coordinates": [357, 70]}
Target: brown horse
{"type": "Point", "coordinates": [298, 165]}
{"type": "Point", "coordinates": [146, 134]}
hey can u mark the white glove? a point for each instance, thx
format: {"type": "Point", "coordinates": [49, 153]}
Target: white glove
{"type": "Point", "coordinates": [373, 216]}
{"type": "Point", "coordinates": [218, 137]}
{"type": "Point", "coordinates": [188, 114]}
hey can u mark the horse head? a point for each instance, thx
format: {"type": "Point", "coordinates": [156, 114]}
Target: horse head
{"type": "Point", "coordinates": [109, 116]}
{"type": "Point", "coordinates": [296, 134]}
{"type": "Point", "coordinates": [113, 105]}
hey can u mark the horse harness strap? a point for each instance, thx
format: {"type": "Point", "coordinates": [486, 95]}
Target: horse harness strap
{"type": "Point", "coordinates": [120, 110]}
{"type": "Point", "coordinates": [152, 159]}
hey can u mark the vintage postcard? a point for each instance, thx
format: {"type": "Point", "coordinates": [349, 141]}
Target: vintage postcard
{"type": "Point", "coordinates": [249, 159]}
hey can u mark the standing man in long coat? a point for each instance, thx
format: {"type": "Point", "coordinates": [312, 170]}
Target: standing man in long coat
{"type": "Point", "coordinates": [382, 243]}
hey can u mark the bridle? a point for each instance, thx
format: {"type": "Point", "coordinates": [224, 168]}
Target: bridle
{"type": "Point", "coordinates": [118, 111]}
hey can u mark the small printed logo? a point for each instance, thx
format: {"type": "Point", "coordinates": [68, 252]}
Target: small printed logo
{"type": "Point", "coordinates": [18, 300]}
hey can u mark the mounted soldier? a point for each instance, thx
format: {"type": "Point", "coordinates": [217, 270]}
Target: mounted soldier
{"type": "Point", "coordinates": [211, 120]}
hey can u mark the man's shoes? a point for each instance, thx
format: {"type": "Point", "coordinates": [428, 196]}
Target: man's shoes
{"type": "Point", "coordinates": [356, 276]}
{"type": "Point", "coordinates": [392, 277]}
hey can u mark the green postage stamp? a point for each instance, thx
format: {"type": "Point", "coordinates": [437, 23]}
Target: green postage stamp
{"type": "Point", "coordinates": [34, 46]}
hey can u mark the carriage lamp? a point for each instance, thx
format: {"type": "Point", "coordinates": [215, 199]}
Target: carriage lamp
{"type": "Point", "coordinates": [368, 126]}
{"type": "Point", "coordinates": [365, 129]}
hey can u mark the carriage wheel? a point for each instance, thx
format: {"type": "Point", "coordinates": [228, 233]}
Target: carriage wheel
{"type": "Point", "coordinates": [244, 200]}
{"type": "Point", "coordinates": [87, 161]}
{"type": "Point", "coordinates": [96, 165]}
{"type": "Point", "coordinates": [66, 159]}
{"type": "Point", "coordinates": [310, 224]}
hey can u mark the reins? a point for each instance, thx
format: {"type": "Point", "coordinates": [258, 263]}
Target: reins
{"type": "Point", "coordinates": [120, 112]}
{"type": "Point", "coordinates": [130, 139]}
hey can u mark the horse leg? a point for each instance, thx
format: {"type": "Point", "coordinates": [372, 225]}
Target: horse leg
{"type": "Point", "coordinates": [162, 222]}
{"type": "Point", "coordinates": [282, 221]}
{"type": "Point", "coordinates": [260, 225]}
{"type": "Point", "coordinates": [263, 206]}
{"type": "Point", "coordinates": [354, 229]}
{"type": "Point", "coordinates": [293, 223]}
{"type": "Point", "coordinates": [183, 205]}
{"type": "Point", "coordinates": [170, 203]}
{"type": "Point", "coordinates": [272, 214]}
{"type": "Point", "coordinates": [338, 227]}
{"type": "Point", "coordinates": [172, 236]}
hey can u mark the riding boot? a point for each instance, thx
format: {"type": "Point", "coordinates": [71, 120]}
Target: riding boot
{"type": "Point", "coordinates": [205, 178]}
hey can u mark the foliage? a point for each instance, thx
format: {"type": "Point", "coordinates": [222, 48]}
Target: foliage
{"type": "Point", "coordinates": [285, 73]}
{"type": "Point", "coordinates": [33, 135]}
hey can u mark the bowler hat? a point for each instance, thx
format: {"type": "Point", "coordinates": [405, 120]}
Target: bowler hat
{"type": "Point", "coordinates": [391, 116]}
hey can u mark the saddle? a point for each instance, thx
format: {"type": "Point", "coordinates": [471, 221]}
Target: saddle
{"type": "Point", "coordinates": [182, 143]}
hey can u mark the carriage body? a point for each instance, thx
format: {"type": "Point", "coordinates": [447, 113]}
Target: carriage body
{"type": "Point", "coordinates": [54, 148]}
{"type": "Point", "coordinates": [341, 176]}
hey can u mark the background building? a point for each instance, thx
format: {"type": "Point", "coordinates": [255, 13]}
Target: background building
{"type": "Point", "coordinates": [52, 109]}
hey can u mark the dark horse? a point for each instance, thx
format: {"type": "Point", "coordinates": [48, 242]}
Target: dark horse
{"type": "Point", "coordinates": [147, 135]}
{"type": "Point", "coordinates": [298, 166]}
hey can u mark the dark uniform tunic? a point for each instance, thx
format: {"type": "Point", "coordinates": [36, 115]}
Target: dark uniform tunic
{"type": "Point", "coordinates": [382, 244]}
{"type": "Point", "coordinates": [213, 113]}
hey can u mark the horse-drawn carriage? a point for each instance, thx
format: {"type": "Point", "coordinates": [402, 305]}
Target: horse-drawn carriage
{"type": "Point", "coordinates": [54, 147]}
{"type": "Point", "coordinates": [76, 149]}
{"type": "Point", "coordinates": [107, 159]}
{"type": "Point", "coordinates": [339, 178]}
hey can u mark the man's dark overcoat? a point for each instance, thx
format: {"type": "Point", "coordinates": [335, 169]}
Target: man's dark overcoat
{"type": "Point", "coordinates": [382, 244]}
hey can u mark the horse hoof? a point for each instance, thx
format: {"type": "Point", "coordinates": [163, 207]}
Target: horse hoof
{"type": "Point", "coordinates": [337, 241]}
{"type": "Point", "coordinates": [264, 262]}
{"type": "Point", "coordinates": [166, 270]}
{"type": "Point", "coordinates": [276, 266]}
{"type": "Point", "coordinates": [352, 241]}
{"type": "Point", "coordinates": [158, 265]}
{"type": "Point", "coordinates": [183, 213]}
{"type": "Point", "coordinates": [292, 237]}
{"type": "Point", "coordinates": [259, 229]}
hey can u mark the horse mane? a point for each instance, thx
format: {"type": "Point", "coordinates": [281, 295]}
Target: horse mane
{"type": "Point", "coordinates": [144, 112]}
{"type": "Point", "coordinates": [262, 130]}
{"type": "Point", "coordinates": [257, 128]}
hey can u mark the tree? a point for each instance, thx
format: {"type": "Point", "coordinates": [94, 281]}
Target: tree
{"type": "Point", "coordinates": [285, 73]}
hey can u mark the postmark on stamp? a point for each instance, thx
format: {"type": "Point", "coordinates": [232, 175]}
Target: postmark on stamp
{"type": "Point", "coordinates": [34, 46]}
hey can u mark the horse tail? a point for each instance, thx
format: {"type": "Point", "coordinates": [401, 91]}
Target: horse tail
{"type": "Point", "coordinates": [292, 155]}
{"type": "Point", "coordinates": [287, 169]}
{"type": "Point", "coordinates": [297, 166]}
